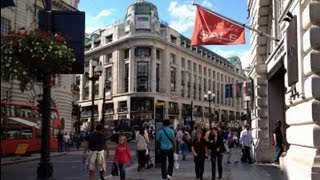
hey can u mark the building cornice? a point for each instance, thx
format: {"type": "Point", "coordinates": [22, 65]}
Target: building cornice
{"type": "Point", "coordinates": [145, 36]}
{"type": "Point", "coordinates": [63, 5]}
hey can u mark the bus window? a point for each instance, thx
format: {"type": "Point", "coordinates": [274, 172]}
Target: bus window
{"type": "Point", "coordinates": [55, 132]}
{"type": "Point", "coordinates": [3, 134]}
{"type": "Point", "coordinates": [38, 133]}
{"type": "Point", "coordinates": [34, 114]}
{"type": "Point", "coordinates": [3, 110]}
{"type": "Point", "coordinates": [11, 111]}
{"type": "Point", "coordinates": [13, 133]}
{"type": "Point", "coordinates": [16, 112]}
{"type": "Point", "coordinates": [54, 115]}
{"type": "Point", "coordinates": [26, 133]}
{"type": "Point", "coordinates": [25, 111]}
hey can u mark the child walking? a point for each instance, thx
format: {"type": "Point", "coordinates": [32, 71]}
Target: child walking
{"type": "Point", "coordinates": [122, 156]}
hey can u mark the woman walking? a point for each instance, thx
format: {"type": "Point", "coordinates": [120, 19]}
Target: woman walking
{"type": "Point", "coordinates": [199, 151]}
{"type": "Point", "coordinates": [122, 155]}
{"type": "Point", "coordinates": [142, 146]}
{"type": "Point", "coordinates": [216, 147]}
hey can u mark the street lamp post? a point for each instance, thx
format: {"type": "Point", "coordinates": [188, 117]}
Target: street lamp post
{"type": "Point", "coordinates": [106, 85]}
{"type": "Point", "coordinates": [247, 99]}
{"type": "Point", "coordinates": [45, 168]}
{"type": "Point", "coordinates": [96, 73]}
{"type": "Point", "coordinates": [209, 97]}
{"type": "Point", "coordinates": [79, 117]}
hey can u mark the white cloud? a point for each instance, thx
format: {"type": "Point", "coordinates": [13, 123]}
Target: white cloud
{"type": "Point", "coordinates": [182, 16]}
{"type": "Point", "coordinates": [207, 4]}
{"type": "Point", "coordinates": [95, 22]}
{"type": "Point", "coordinates": [245, 58]}
{"type": "Point", "coordinates": [103, 13]}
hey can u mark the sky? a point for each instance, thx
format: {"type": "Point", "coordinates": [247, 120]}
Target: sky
{"type": "Point", "coordinates": [179, 14]}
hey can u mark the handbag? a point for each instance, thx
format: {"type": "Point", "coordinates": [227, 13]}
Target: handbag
{"type": "Point", "coordinates": [175, 162]}
{"type": "Point", "coordinates": [114, 169]}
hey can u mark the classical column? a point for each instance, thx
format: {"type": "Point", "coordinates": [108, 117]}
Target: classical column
{"type": "Point", "coordinates": [259, 118]}
{"type": "Point", "coordinates": [81, 88]}
{"type": "Point", "coordinates": [152, 72]}
{"type": "Point", "coordinates": [132, 70]}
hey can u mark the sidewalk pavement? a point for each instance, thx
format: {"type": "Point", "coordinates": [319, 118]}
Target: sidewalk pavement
{"type": "Point", "coordinates": [36, 156]}
{"type": "Point", "coordinates": [26, 158]}
{"type": "Point", "coordinates": [233, 171]}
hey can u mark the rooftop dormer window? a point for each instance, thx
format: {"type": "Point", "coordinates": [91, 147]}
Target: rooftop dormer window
{"type": "Point", "coordinates": [173, 39]}
{"type": "Point", "coordinates": [109, 38]}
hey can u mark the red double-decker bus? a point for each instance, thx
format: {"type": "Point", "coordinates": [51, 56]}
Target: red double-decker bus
{"type": "Point", "coordinates": [21, 124]}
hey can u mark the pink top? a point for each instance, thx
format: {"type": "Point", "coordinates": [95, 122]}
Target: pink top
{"type": "Point", "coordinates": [122, 154]}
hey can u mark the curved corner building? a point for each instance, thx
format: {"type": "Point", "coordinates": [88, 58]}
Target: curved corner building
{"type": "Point", "coordinates": [147, 64]}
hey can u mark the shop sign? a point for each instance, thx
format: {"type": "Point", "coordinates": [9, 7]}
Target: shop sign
{"type": "Point", "coordinates": [292, 52]}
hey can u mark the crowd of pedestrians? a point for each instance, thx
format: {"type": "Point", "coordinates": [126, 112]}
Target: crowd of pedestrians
{"type": "Point", "coordinates": [67, 140]}
{"type": "Point", "coordinates": [213, 143]}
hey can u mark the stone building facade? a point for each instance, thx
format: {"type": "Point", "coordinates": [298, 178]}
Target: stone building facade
{"type": "Point", "coordinates": [286, 83]}
{"type": "Point", "coordinates": [145, 63]}
{"type": "Point", "coordinates": [24, 14]}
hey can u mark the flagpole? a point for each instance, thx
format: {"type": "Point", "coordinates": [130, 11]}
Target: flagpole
{"type": "Point", "coordinates": [240, 24]}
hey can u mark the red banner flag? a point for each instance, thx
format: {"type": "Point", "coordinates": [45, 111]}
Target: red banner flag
{"type": "Point", "coordinates": [209, 28]}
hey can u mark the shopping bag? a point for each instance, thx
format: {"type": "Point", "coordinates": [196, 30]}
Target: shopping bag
{"type": "Point", "coordinates": [226, 148]}
{"type": "Point", "coordinates": [114, 169]}
{"type": "Point", "coordinates": [175, 158]}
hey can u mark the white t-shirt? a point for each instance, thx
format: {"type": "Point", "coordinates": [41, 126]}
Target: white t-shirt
{"type": "Point", "coordinates": [142, 141]}
{"type": "Point", "coordinates": [66, 138]}
{"type": "Point", "coordinates": [179, 136]}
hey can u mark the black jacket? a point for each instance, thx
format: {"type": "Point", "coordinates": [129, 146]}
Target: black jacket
{"type": "Point", "coordinates": [214, 145]}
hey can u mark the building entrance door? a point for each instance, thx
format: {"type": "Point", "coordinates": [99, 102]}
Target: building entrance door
{"type": "Point", "coordinates": [276, 104]}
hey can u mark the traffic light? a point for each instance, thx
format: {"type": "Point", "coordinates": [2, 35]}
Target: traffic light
{"type": "Point", "coordinates": [40, 106]}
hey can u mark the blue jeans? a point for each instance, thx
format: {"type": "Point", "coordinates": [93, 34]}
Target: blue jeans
{"type": "Point", "coordinates": [122, 169]}
{"type": "Point", "coordinates": [278, 152]}
{"type": "Point", "coordinates": [183, 149]}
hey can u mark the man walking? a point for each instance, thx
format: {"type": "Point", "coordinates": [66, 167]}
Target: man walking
{"type": "Point", "coordinates": [66, 139]}
{"type": "Point", "coordinates": [167, 148]}
{"type": "Point", "coordinates": [246, 141]}
{"type": "Point", "coordinates": [277, 141]}
{"type": "Point", "coordinates": [60, 141]}
{"type": "Point", "coordinates": [95, 151]}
